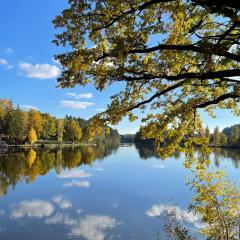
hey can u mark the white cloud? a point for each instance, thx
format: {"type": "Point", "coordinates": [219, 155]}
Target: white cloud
{"type": "Point", "coordinates": [81, 95]}
{"type": "Point", "coordinates": [34, 208]}
{"type": "Point", "coordinates": [8, 50]}
{"type": "Point", "coordinates": [74, 174]}
{"type": "Point", "coordinates": [40, 71]}
{"type": "Point", "coordinates": [5, 64]}
{"type": "Point", "coordinates": [27, 107]}
{"type": "Point", "coordinates": [92, 227]}
{"type": "Point", "coordinates": [75, 104]}
{"type": "Point", "coordinates": [180, 214]}
{"type": "Point", "coordinates": [74, 183]}
{"type": "Point", "coordinates": [62, 202]}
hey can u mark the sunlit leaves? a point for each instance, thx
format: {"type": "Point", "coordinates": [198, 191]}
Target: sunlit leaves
{"type": "Point", "coordinates": [151, 46]}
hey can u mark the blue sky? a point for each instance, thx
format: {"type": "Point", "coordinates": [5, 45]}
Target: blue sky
{"type": "Point", "coordinates": [28, 72]}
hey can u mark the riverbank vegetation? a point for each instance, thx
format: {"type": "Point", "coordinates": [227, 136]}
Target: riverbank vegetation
{"type": "Point", "coordinates": [27, 127]}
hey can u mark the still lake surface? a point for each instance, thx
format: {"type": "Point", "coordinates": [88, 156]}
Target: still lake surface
{"type": "Point", "coordinates": [102, 193]}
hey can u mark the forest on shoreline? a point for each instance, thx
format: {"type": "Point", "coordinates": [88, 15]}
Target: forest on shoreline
{"type": "Point", "coordinates": [18, 127]}
{"type": "Point", "coordinates": [228, 137]}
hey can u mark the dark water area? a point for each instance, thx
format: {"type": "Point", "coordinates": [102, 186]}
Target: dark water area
{"type": "Point", "coordinates": [96, 193]}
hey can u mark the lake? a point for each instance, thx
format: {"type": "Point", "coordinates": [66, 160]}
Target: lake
{"type": "Point", "coordinates": [102, 193]}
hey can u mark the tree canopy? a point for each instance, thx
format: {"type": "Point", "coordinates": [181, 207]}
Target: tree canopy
{"type": "Point", "coordinates": [173, 56]}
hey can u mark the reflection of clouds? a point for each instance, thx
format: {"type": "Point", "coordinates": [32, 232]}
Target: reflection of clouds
{"type": "Point", "coordinates": [62, 202]}
{"type": "Point", "coordinates": [99, 169]}
{"type": "Point", "coordinates": [159, 166]}
{"type": "Point", "coordinates": [180, 214]}
{"type": "Point", "coordinates": [2, 229]}
{"type": "Point", "coordinates": [115, 205]}
{"type": "Point", "coordinates": [74, 174]}
{"type": "Point", "coordinates": [61, 218]}
{"type": "Point", "coordinates": [34, 208]}
{"type": "Point", "coordinates": [92, 227]}
{"type": "Point", "coordinates": [75, 183]}
{"type": "Point", "coordinates": [2, 212]}
{"type": "Point", "coordinates": [79, 211]}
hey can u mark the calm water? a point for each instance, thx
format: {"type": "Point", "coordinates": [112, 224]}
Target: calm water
{"type": "Point", "coordinates": [105, 193]}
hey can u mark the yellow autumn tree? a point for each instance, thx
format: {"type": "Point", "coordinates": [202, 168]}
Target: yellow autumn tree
{"type": "Point", "coordinates": [31, 157]}
{"type": "Point", "coordinates": [32, 135]}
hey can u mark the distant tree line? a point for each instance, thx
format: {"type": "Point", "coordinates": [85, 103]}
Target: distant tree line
{"type": "Point", "coordinates": [229, 136]}
{"type": "Point", "coordinates": [137, 139]}
{"type": "Point", "coordinates": [19, 127]}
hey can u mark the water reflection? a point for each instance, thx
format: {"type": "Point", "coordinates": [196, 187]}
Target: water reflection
{"type": "Point", "coordinates": [218, 155]}
{"type": "Point", "coordinates": [91, 226]}
{"type": "Point", "coordinates": [26, 165]}
{"type": "Point", "coordinates": [146, 151]}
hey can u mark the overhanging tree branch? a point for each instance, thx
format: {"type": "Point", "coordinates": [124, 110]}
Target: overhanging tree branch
{"type": "Point", "coordinates": [190, 47]}
{"type": "Point", "coordinates": [218, 100]}
{"type": "Point", "coordinates": [202, 76]}
{"type": "Point", "coordinates": [157, 95]}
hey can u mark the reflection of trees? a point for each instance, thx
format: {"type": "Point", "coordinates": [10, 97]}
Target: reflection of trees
{"type": "Point", "coordinates": [28, 165]}
{"type": "Point", "coordinates": [230, 153]}
{"type": "Point", "coordinates": [146, 151]}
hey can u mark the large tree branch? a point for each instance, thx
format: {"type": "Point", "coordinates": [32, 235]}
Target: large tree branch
{"type": "Point", "coordinates": [218, 3]}
{"type": "Point", "coordinates": [190, 47]}
{"type": "Point", "coordinates": [218, 99]}
{"type": "Point", "coordinates": [157, 95]}
{"type": "Point", "coordinates": [202, 76]}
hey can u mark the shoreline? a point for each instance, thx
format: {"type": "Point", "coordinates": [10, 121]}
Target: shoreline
{"type": "Point", "coordinates": [50, 145]}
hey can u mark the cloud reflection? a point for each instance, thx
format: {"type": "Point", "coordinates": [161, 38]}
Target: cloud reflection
{"type": "Point", "coordinates": [180, 214]}
{"type": "Point", "coordinates": [92, 227]}
{"type": "Point", "coordinates": [34, 208]}
{"type": "Point", "coordinates": [60, 218]}
{"type": "Point", "coordinates": [74, 183]}
{"type": "Point", "coordinates": [74, 174]}
{"type": "Point", "coordinates": [62, 202]}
